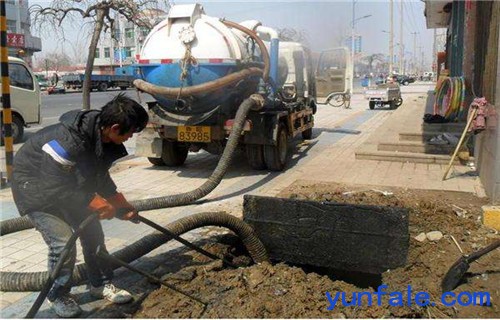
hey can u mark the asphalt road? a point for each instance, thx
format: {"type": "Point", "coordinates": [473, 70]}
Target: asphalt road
{"type": "Point", "coordinates": [53, 106]}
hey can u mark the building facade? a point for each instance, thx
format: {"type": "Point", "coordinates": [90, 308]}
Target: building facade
{"type": "Point", "coordinates": [122, 49]}
{"type": "Point", "coordinates": [471, 52]}
{"type": "Point", "coordinates": [20, 42]}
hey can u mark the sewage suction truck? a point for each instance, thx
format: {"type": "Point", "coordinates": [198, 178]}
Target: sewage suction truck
{"type": "Point", "coordinates": [199, 69]}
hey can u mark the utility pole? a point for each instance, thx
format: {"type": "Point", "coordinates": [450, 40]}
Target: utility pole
{"type": "Point", "coordinates": [414, 64]}
{"type": "Point", "coordinates": [352, 43]}
{"type": "Point", "coordinates": [401, 45]}
{"type": "Point", "coordinates": [391, 39]}
{"type": "Point", "coordinates": [434, 53]}
{"type": "Point", "coordinates": [420, 63]}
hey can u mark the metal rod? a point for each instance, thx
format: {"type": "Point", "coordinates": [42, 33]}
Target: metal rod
{"type": "Point", "coordinates": [469, 122]}
{"type": "Point", "coordinates": [183, 241]}
{"type": "Point", "coordinates": [112, 259]}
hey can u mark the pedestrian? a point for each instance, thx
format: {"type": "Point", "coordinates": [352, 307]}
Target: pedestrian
{"type": "Point", "coordinates": [61, 176]}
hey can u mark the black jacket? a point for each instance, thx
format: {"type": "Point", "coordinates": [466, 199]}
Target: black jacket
{"type": "Point", "coordinates": [62, 166]}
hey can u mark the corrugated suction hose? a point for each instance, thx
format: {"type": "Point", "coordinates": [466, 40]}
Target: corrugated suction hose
{"type": "Point", "coordinates": [207, 87]}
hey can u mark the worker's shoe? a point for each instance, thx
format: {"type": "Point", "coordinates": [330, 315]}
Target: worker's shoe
{"type": "Point", "coordinates": [111, 293]}
{"type": "Point", "coordinates": [65, 307]}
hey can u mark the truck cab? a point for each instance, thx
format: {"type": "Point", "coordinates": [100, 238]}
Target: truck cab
{"type": "Point", "coordinates": [296, 74]}
{"type": "Point", "coordinates": [25, 98]}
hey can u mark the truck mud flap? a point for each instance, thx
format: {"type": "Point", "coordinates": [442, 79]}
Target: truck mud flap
{"type": "Point", "coordinates": [363, 238]}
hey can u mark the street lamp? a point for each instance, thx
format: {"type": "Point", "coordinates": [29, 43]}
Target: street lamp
{"type": "Point", "coordinates": [353, 23]}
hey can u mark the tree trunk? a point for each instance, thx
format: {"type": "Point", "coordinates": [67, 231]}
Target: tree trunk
{"type": "Point", "coordinates": [101, 13]}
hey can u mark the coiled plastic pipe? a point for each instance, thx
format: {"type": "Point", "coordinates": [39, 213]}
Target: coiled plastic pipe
{"type": "Point", "coordinates": [34, 281]}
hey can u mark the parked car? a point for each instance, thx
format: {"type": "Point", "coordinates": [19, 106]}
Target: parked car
{"type": "Point", "coordinates": [428, 76]}
{"type": "Point", "coordinates": [56, 89]}
{"type": "Point", "coordinates": [44, 84]}
{"type": "Point", "coordinates": [404, 80]}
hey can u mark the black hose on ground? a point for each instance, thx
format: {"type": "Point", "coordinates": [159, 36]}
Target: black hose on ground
{"type": "Point", "coordinates": [15, 225]}
{"type": "Point", "coordinates": [34, 281]}
{"type": "Point", "coordinates": [254, 102]}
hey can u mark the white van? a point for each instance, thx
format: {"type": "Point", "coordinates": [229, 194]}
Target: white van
{"type": "Point", "coordinates": [24, 97]}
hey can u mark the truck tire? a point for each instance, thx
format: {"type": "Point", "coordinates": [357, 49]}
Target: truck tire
{"type": "Point", "coordinates": [156, 161]}
{"type": "Point", "coordinates": [406, 83]}
{"type": "Point", "coordinates": [307, 134]}
{"type": "Point", "coordinates": [17, 130]}
{"type": "Point", "coordinates": [255, 156]}
{"type": "Point", "coordinates": [392, 104]}
{"type": "Point", "coordinates": [276, 156]}
{"type": "Point", "coordinates": [372, 105]}
{"type": "Point", "coordinates": [399, 102]}
{"type": "Point", "coordinates": [123, 88]}
{"type": "Point", "coordinates": [103, 86]}
{"type": "Point", "coordinates": [174, 153]}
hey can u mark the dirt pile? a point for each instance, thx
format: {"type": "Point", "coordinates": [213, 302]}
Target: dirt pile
{"type": "Point", "coordinates": [282, 291]}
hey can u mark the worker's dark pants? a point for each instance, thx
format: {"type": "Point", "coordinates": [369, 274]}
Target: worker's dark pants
{"type": "Point", "coordinates": [56, 231]}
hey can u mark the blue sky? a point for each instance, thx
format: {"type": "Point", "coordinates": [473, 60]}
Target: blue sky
{"type": "Point", "coordinates": [322, 21]}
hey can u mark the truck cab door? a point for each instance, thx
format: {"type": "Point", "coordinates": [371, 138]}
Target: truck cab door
{"type": "Point", "coordinates": [333, 72]}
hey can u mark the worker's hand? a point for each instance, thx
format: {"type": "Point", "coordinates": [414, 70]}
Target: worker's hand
{"type": "Point", "coordinates": [118, 201]}
{"type": "Point", "coordinates": [105, 209]}
{"type": "Point", "coordinates": [126, 211]}
{"type": "Point", "coordinates": [131, 216]}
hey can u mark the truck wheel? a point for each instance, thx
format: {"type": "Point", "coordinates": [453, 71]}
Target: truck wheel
{"type": "Point", "coordinates": [372, 105]}
{"type": "Point", "coordinates": [399, 102]}
{"type": "Point", "coordinates": [392, 104]}
{"type": "Point", "coordinates": [156, 161]}
{"type": "Point", "coordinates": [307, 134]}
{"type": "Point", "coordinates": [123, 88]}
{"type": "Point", "coordinates": [174, 153]}
{"type": "Point", "coordinates": [276, 156]}
{"type": "Point", "coordinates": [103, 86]}
{"type": "Point", "coordinates": [255, 156]}
{"type": "Point", "coordinates": [406, 83]}
{"type": "Point", "coordinates": [17, 130]}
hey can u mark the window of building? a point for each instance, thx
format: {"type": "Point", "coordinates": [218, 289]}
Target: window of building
{"type": "Point", "coordinates": [128, 52]}
{"type": "Point", "coordinates": [129, 33]}
{"type": "Point", "coordinates": [11, 26]}
{"type": "Point", "coordinates": [20, 77]}
{"type": "Point", "coordinates": [107, 53]}
{"type": "Point", "coordinates": [97, 53]}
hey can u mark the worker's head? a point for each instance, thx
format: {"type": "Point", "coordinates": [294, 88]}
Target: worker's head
{"type": "Point", "coordinates": [121, 118]}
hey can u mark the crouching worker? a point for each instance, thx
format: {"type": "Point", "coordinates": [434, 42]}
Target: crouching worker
{"type": "Point", "coordinates": [61, 177]}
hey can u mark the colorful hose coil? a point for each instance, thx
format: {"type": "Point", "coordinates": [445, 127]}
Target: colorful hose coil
{"type": "Point", "coordinates": [450, 99]}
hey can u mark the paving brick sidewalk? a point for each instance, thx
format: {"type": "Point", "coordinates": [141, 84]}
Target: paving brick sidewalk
{"type": "Point", "coordinates": [328, 157]}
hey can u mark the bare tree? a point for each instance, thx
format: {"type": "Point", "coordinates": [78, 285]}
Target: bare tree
{"type": "Point", "coordinates": [291, 34]}
{"type": "Point", "coordinates": [54, 61]}
{"type": "Point", "coordinates": [372, 58]}
{"type": "Point", "coordinates": [101, 15]}
{"type": "Point", "coordinates": [78, 50]}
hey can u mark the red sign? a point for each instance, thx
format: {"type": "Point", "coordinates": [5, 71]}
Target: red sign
{"type": "Point", "coordinates": [15, 40]}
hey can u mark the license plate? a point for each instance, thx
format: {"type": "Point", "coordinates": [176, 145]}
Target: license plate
{"type": "Point", "coordinates": [193, 134]}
